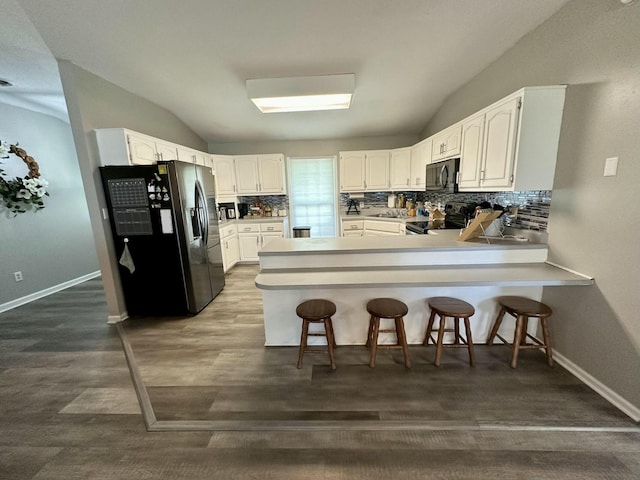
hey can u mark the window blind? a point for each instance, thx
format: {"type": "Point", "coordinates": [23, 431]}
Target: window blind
{"type": "Point", "coordinates": [312, 194]}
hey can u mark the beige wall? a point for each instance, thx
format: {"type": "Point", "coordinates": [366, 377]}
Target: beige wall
{"type": "Point", "coordinates": [593, 46]}
{"type": "Point", "coordinates": [315, 148]}
{"type": "Point", "coordinates": [95, 103]}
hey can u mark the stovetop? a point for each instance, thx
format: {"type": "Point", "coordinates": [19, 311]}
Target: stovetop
{"type": "Point", "coordinates": [456, 216]}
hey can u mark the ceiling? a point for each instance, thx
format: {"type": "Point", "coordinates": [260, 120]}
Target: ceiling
{"type": "Point", "coordinates": [193, 57]}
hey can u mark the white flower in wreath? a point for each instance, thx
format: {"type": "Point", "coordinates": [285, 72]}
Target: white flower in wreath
{"type": "Point", "coordinates": [20, 195]}
{"type": "Point", "coordinates": [4, 149]}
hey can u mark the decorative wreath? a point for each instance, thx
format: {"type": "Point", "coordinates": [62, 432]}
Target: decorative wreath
{"type": "Point", "coordinates": [21, 195]}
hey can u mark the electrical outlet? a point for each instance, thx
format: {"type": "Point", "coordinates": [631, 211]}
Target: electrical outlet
{"type": "Point", "coordinates": [18, 276]}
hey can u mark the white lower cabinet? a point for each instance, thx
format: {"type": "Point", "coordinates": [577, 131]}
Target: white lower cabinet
{"type": "Point", "coordinates": [229, 246]}
{"type": "Point", "coordinates": [383, 228]}
{"type": "Point", "coordinates": [352, 228]}
{"type": "Point", "coordinates": [249, 241]}
{"type": "Point", "coordinates": [253, 236]}
{"type": "Point", "coordinates": [371, 228]}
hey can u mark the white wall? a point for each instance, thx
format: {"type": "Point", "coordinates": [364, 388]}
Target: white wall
{"type": "Point", "coordinates": [54, 245]}
{"type": "Point", "coordinates": [594, 225]}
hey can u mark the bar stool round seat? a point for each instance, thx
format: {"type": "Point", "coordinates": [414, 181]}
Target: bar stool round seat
{"type": "Point", "coordinates": [316, 311]}
{"type": "Point", "coordinates": [388, 308]}
{"type": "Point", "coordinates": [522, 309]}
{"type": "Point", "coordinates": [457, 309]}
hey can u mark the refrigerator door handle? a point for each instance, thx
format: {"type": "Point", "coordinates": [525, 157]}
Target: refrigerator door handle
{"type": "Point", "coordinates": [203, 214]}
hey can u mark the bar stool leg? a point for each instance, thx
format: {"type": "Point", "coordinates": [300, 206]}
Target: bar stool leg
{"type": "Point", "coordinates": [517, 338]}
{"type": "Point", "coordinates": [402, 340]}
{"type": "Point", "coordinates": [427, 336]}
{"type": "Point", "coordinates": [303, 341]}
{"type": "Point", "coordinates": [330, 323]}
{"type": "Point", "coordinates": [456, 331]}
{"type": "Point", "coordinates": [328, 328]}
{"type": "Point", "coordinates": [375, 321]}
{"type": "Point", "coordinates": [547, 341]}
{"type": "Point", "coordinates": [440, 340]}
{"type": "Point", "coordinates": [496, 327]}
{"type": "Point", "coordinates": [370, 332]}
{"type": "Point", "coordinates": [467, 326]}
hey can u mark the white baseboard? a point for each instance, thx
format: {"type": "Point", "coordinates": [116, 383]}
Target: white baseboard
{"type": "Point", "coordinates": [600, 388]}
{"type": "Point", "coordinates": [113, 319]}
{"type": "Point", "coordinates": [47, 291]}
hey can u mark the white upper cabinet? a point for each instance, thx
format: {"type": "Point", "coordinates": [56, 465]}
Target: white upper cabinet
{"type": "Point", "coordinates": [501, 123]}
{"type": "Point", "coordinates": [119, 146]}
{"type": "Point", "coordinates": [247, 179]}
{"type": "Point", "coordinates": [471, 152]}
{"type": "Point", "coordinates": [446, 143]}
{"type": "Point", "coordinates": [260, 174]}
{"type": "Point", "coordinates": [142, 150]}
{"type": "Point", "coordinates": [224, 168]}
{"type": "Point", "coordinates": [519, 143]}
{"type": "Point", "coordinates": [377, 170]}
{"type": "Point", "coordinates": [400, 169]}
{"type": "Point", "coordinates": [420, 158]}
{"type": "Point", "coordinates": [352, 167]}
{"type": "Point", "coordinates": [364, 171]}
{"type": "Point", "coordinates": [271, 174]}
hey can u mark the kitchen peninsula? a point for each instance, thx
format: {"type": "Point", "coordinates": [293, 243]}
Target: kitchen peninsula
{"type": "Point", "coordinates": [350, 271]}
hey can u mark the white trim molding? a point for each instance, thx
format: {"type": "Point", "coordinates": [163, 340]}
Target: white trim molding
{"type": "Point", "coordinates": [47, 291]}
{"type": "Point", "coordinates": [599, 387]}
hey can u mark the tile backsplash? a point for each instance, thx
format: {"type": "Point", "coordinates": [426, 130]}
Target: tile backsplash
{"type": "Point", "coordinates": [533, 206]}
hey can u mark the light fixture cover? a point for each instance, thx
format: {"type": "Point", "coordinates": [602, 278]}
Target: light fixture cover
{"type": "Point", "coordinates": [299, 94]}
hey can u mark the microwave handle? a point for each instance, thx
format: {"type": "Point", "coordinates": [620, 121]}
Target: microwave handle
{"type": "Point", "coordinates": [444, 178]}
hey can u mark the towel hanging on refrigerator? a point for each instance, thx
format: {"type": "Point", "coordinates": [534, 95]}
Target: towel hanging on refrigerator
{"type": "Point", "coordinates": [125, 259]}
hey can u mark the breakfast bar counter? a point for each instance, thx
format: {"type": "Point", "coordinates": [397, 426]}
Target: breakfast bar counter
{"type": "Point", "coordinates": [351, 271]}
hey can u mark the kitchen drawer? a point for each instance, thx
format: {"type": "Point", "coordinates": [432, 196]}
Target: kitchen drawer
{"type": "Point", "coordinates": [272, 227]}
{"type": "Point", "coordinates": [249, 228]}
{"type": "Point", "coordinates": [228, 231]}
{"type": "Point", "coordinates": [381, 226]}
{"type": "Point", "coordinates": [348, 225]}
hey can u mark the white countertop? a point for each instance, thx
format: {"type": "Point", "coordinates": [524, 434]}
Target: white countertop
{"type": "Point", "coordinates": [252, 220]}
{"type": "Point", "coordinates": [443, 240]}
{"type": "Point", "coordinates": [512, 275]}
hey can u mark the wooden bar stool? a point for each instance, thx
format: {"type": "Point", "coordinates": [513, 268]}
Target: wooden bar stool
{"type": "Point", "coordinates": [316, 311]}
{"type": "Point", "coordinates": [522, 309]}
{"type": "Point", "coordinates": [387, 308]}
{"type": "Point", "coordinates": [450, 307]}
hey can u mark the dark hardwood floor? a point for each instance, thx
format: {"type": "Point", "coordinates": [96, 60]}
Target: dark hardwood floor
{"type": "Point", "coordinates": [220, 405]}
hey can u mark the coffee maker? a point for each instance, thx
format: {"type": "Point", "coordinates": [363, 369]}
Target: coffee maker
{"type": "Point", "coordinates": [243, 209]}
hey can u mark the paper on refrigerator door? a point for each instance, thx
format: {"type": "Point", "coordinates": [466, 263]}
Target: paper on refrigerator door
{"type": "Point", "coordinates": [165, 221]}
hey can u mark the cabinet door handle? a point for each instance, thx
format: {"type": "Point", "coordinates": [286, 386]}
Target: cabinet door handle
{"type": "Point", "coordinates": [482, 175]}
{"type": "Point", "coordinates": [408, 182]}
{"type": "Point", "coordinates": [257, 188]}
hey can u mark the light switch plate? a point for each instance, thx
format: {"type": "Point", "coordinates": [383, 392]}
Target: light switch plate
{"type": "Point", "coordinates": [611, 167]}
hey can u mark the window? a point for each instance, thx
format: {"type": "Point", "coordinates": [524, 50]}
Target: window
{"type": "Point", "coordinates": [312, 194]}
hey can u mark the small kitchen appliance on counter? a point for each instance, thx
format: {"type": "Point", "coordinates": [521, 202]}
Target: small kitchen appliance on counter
{"type": "Point", "coordinates": [243, 210]}
{"type": "Point", "coordinates": [227, 211]}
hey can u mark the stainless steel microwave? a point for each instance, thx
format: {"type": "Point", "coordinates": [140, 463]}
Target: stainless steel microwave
{"type": "Point", "coordinates": [443, 176]}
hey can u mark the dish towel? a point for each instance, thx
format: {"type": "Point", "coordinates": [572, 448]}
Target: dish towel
{"type": "Point", "coordinates": [125, 259]}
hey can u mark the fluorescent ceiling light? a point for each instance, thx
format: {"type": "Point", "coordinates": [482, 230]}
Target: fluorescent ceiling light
{"type": "Point", "coordinates": [300, 94]}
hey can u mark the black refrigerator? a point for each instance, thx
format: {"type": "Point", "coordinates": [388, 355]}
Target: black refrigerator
{"type": "Point", "coordinates": [165, 230]}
